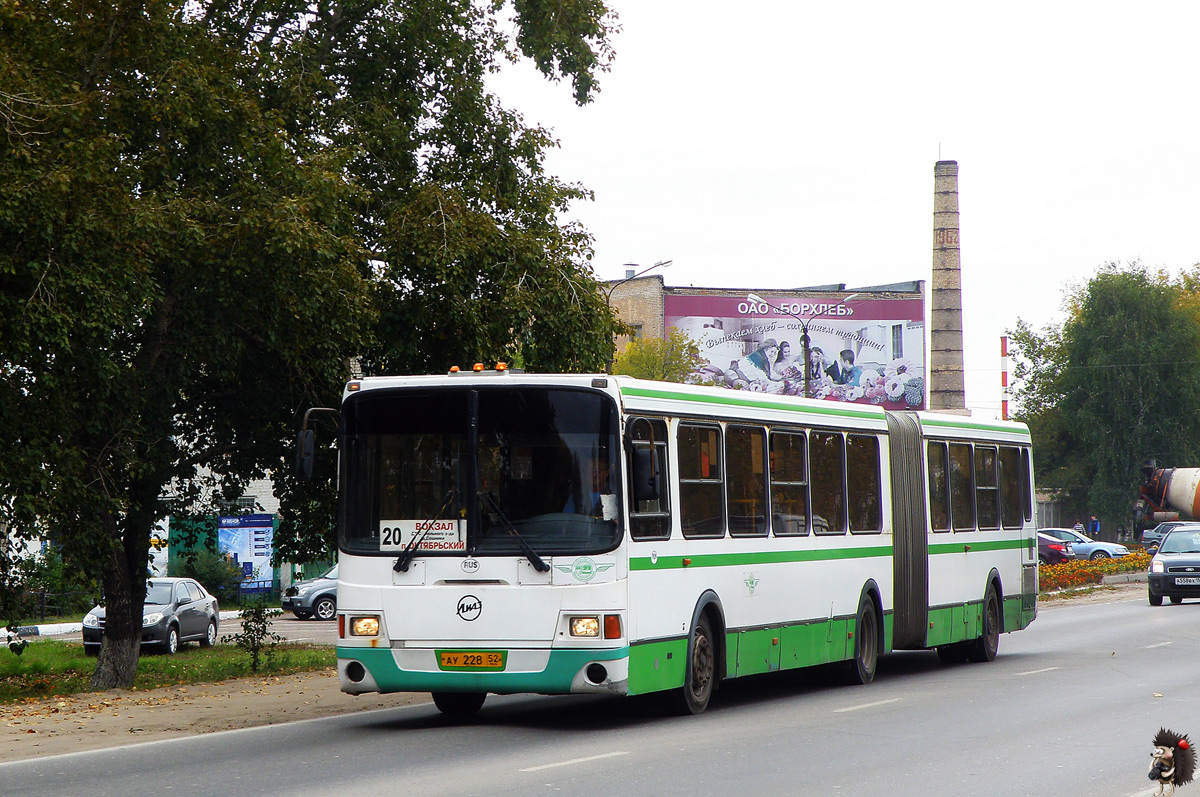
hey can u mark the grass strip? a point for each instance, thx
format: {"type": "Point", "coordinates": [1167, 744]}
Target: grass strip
{"type": "Point", "coordinates": [57, 667]}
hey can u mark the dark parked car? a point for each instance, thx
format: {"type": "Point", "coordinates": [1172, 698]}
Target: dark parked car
{"type": "Point", "coordinates": [177, 610]}
{"type": "Point", "coordinates": [1052, 550]}
{"type": "Point", "coordinates": [1175, 569]}
{"type": "Point", "coordinates": [313, 596]}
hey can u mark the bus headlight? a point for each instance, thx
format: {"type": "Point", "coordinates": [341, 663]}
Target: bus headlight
{"type": "Point", "coordinates": [364, 626]}
{"type": "Point", "coordinates": [585, 626]}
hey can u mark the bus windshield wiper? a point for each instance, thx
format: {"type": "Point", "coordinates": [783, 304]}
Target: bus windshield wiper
{"type": "Point", "coordinates": [538, 563]}
{"type": "Point", "coordinates": [410, 550]}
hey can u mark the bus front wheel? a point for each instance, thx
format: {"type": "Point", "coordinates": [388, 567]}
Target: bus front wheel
{"type": "Point", "coordinates": [459, 704]}
{"type": "Point", "coordinates": [701, 673]}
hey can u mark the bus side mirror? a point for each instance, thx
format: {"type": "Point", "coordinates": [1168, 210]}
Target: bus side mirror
{"type": "Point", "coordinates": [304, 454]}
{"type": "Point", "coordinates": [645, 470]}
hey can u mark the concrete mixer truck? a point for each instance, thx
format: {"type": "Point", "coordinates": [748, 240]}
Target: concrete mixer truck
{"type": "Point", "coordinates": [1167, 497]}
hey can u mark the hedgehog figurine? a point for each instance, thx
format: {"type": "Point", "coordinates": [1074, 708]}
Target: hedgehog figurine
{"type": "Point", "coordinates": [1173, 761]}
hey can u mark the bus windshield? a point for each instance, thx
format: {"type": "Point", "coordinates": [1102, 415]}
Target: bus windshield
{"type": "Point", "coordinates": [479, 471]}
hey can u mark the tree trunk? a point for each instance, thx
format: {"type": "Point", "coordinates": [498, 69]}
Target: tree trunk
{"type": "Point", "coordinates": [116, 666]}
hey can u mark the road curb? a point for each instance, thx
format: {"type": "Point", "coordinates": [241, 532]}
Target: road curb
{"type": "Point", "coordinates": [1125, 578]}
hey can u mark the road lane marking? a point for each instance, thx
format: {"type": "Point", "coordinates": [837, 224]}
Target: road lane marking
{"type": "Point", "coordinates": [574, 761]}
{"type": "Point", "coordinates": [866, 705]}
{"type": "Point", "coordinates": [1038, 672]}
{"type": "Point", "coordinates": [1159, 645]}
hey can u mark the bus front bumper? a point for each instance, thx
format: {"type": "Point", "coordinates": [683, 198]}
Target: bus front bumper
{"type": "Point", "coordinates": [541, 671]}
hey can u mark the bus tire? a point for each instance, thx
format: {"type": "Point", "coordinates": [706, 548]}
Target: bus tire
{"type": "Point", "coordinates": [866, 643]}
{"type": "Point", "coordinates": [701, 674]}
{"type": "Point", "coordinates": [459, 704]}
{"type": "Point", "coordinates": [985, 646]}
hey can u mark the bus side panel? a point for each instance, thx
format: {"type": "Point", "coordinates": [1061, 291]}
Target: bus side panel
{"type": "Point", "coordinates": [655, 666]}
{"type": "Point", "coordinates": [757, 651]}
{"type": "Point", "coordinates": [806, 645]}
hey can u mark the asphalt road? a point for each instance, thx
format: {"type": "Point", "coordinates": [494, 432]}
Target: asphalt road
{"type": "Point", "coordinates": [1069, 709]}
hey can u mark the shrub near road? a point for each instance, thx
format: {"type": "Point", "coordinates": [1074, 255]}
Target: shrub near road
{"type": "Point", "coordinates": [1082, 572]}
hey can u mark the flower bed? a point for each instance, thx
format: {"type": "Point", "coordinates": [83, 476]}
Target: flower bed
{"type": "Point", "coordinates": [1082, 572]}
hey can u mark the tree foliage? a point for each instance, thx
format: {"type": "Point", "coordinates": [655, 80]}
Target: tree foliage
{"type": "Point", "coordinates": [1118, 382]}
{"type": "Point", "coordinates": [672, 359]}
{"type": "Point", "coordinates": [208, 210]}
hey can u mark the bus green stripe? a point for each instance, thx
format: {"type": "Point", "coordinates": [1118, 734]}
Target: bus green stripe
{"type": "Point", "coordinates": [756, 558]}
{"type": "Point", "coordinates": [820, 555]}
{"type": "Point", "coordinates": [735, 400]}
{"type": "Point", "coordinates": [980, 426]}
{"type": "Point", "coordinates": [976, 546]}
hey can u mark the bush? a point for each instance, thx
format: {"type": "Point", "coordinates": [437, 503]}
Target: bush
{"type": "Point", "coordinates": [219, 574]}
{"type": "Point", "coordinates": [256, 638]}
{"type": "Point", "coordinates": [1082, 572]}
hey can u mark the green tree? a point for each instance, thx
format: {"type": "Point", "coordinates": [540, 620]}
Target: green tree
{"type": "Point", "coordinates": [206, 209]}
{"type": "Point", "coordinates": [219, 574]}
{"type": "Point", "coordinates": [675, 358]}
{"type": "Point", "coordinates": [1117, 383]}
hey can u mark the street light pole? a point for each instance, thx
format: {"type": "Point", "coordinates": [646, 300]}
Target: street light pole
{"type": "Point", "coordinates": [804, 338]}
{"type": "Point", "coordinates": [608, 294]}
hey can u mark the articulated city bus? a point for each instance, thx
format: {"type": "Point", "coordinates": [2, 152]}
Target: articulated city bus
{"type": "Point", "coordinates": [504, 532]}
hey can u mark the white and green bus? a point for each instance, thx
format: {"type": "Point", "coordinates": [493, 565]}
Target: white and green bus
{"type": "Point", "coordinates": [506, 533]}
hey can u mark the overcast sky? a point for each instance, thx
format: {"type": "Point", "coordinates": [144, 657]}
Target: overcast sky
{"type": "Point", "coordinates": [783, 144]}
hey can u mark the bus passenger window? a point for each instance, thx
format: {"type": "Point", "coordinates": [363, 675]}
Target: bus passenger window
{"type": "Point", "coordinates": [789, 484]}
{"type": "Point", "coordinates": [1010, 487]}
{"type": "Point", "coordinates": [746, 484]}
{"type": "Point", "coordinates": [962, 492]}
{"type": "Point", "coordinates": [1027, 484]}
{"type": "Point", "coordinates": [939, 491]}
{"type": "Point", "coordinates": [701, 493]}
{"type": "Point", "coordinates": [862, 478]}
{"type": "Point", "coordinates": [649, 488]}
{"type": "Point", "coordinates": [987, 496]}
{"type": "Point", "coordinates": [828, 458]}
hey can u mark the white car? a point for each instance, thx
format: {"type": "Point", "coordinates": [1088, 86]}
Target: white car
{"type": "Point", "coordinates": [1087, 548]}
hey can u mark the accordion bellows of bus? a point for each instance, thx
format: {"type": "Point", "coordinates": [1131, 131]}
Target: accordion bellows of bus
{"type": "Point", "coordinates": [505, 532]}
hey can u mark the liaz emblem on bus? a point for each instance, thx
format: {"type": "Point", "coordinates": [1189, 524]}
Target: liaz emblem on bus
{"type": "Point", "coordinates": [439, 535]}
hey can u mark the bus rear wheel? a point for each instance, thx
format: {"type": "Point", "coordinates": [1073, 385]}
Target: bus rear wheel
{"type": "Point", "coordinates": [984, 648]}
{"type": "Point", "coordinates": [459, 704]}
{"type": "Point", "coordinates": [700, 677]}
{"type": "Point", "coordinates": [866, 643]}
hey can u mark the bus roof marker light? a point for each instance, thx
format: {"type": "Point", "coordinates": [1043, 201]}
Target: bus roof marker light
{"type": "Point", "coordinates": [477, 367]}
{"type": "Point", "coordinates": [501, 366]}
{"type": "Point", "coordinates": [454, 369]}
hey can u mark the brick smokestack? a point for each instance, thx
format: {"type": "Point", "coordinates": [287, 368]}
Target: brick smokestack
{"type": "Point", "coordinates": [946, 388]}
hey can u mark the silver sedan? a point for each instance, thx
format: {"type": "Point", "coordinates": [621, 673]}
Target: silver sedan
{"type": "Point", "coordinates": [1087, 548]}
